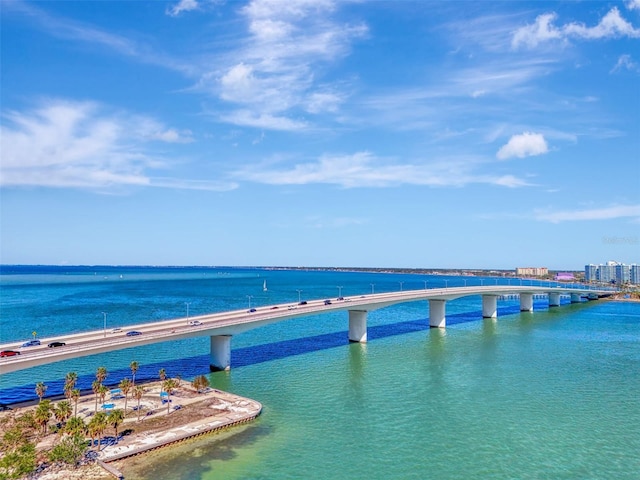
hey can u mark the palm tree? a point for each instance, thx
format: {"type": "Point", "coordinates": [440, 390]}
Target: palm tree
{"type": "Point", "coordinates": [62, 411]}
{"type": "Point", "coordinates": [138, 393]}
{"type": "Point", "coordinates": [102, 391]}
{"type": "Point", "coordinates": [101, 374]}
{"type": "Point", "coordinates": [75, 425]}
{"type": "Point", "coordinates": [200, 383]}
{"type": "Point", "coordinates": [168, 385]}
{"type": "Point", "coordinates": [162, 374]}
{"type": "Point", "coordinates": [70, 383]}
{"type": "Point", "coordinates": [75, 396]}
{"type": "Point", "coordinates": [134, 368]}
{"type": "Point", "coordinates": [43, 414]}
{"type": "Point", "coordinates": [115, 418]}
{"type": "Point", "coordinates": [41, 388]}
{"type": "Point", "coordinates": [97, 426]}
{"type": "Point", "coordinates": [95, 386]}
{"type": "Point", "coordinates": [125, 385]}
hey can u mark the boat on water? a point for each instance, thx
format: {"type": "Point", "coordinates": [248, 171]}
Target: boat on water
{"type": "Point", "coordinates": [264, 286]}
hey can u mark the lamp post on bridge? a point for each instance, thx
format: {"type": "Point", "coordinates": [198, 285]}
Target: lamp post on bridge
{"type": "Point", "coordinates": [187, 304]}
{"type": "Point", "coordinates": [339, 287]}
{"type": "Point", "coordinates": [299, 298]}
{"type": "Point", "coordinates": [372, 285]}
{"type": "Point", "coordinates": [249, 297]}
{"type": "Point", "coordinates": [425, 284]}
{"type": "Point", "coordinates": [446, 284]}
{"type": "Point", "coordinates": [104, 325]}
{"type": "Point", "coordinates": [400, 285]}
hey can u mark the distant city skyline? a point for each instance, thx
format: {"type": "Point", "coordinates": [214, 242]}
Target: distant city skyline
{"type": "Point", "coordinates": [410, 134]}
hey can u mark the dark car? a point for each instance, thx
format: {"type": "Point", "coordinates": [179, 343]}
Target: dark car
{"type": "Point", "coordinates": [56, 344]}
{"type": "Point", "coordinates": [340, 298]}
{"type": "Point", "coordinates": [31, 343]}
{"type": "Point", "coordinates": [304, 302]}
{"type": "Point", "coordinates": [251, 310]}
{"type": "Point", "coordinates": [133, 333]}
{"type": "Point", "coordinates": [8, 353]}
{"type": "Point", "coordinates": [327, 302]}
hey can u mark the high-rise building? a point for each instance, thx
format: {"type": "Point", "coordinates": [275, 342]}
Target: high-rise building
{"type": "Point", "coordinates": [611, 272]}
{"type": "Point", "coordinates": [634, 274]}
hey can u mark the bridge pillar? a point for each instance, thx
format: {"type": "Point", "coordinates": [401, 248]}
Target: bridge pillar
{"type": "Point", "coordinates": [358, 326]}
{"type": "Point", "coordinates": [489, 306]}
{"type": "Point", "coordinates": [220, 356]}
{"type": "Point", "coordinates": [526, 302]}
{"type": "Point", "coordinates": [575, 298]}
{"type": "Point", "coordinates": [554, 299]}
{"type": "Point", "coordinates": [437, 313]}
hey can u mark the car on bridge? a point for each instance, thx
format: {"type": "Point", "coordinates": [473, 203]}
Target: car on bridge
{"type": "Point", "coordinates": [133, 333]}
{"type": "Point", "coordinates": [31, 343]}
{"type": "Point", "coordinates": [327, 302]}
{"type": "Point", "coordinates": [9, 353]}
{"type": "Point", "coordinates": [251, 310]}
{"type": "Point", "coordinates": [56, 344]}
{"type": "Point", "coordinates": [195, 323]}
{"type": "Point", "coordinates": [115, 330]}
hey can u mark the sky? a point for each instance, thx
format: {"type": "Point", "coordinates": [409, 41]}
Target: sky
{"type": "Point", "coordinates": [410, 134]}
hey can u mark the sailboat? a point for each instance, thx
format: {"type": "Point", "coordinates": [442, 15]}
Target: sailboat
{"type": "Point", "coordinates": [264, 286]}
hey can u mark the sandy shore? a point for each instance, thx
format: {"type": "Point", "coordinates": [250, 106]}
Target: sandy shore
{"type": "Point", "coordinates": [189, 414]}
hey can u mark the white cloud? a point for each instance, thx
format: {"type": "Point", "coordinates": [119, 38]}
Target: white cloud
{"type": "Point", "coordinates": [524, 145]}
{"type": "Point", "coordinates": [248, 118]}
{"type": "Point", "coordinates": [80, 144]}
{"type": "Point", "coordinates": [606, 213]}
{"type": "Point", "coordinates": [274, 73]}
{"type": "Point", "coordinates": [625, 63]}
{"type": "Point", "coordinates": [633, 4]}
{"type": "Point", "coordinates": [362, 169]}
{"type": "Point", "coordinates": [182, 6]}
{"type": "Point", "coordinates": [612, 25]}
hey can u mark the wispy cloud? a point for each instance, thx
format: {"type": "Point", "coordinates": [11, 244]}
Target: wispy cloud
{"type": "Point", "coordinates": [612, 25]}
{"type": "Point", "coordinates": [76, 31]}
{"type": "Point", "coordinates": [625, 63]}
{"type": "Point", "coordinates": [182, 6]}
{"type": "Point", "coordinates": [363, 169]}
{"type": "Point", "coordinates": [605, 213]}
{"type": "Point", "coordinates": [82, 145]}
{"type": "Point", "coordinates": [273, 73]}
{"type": "Point", "coordinates": [524, 145]}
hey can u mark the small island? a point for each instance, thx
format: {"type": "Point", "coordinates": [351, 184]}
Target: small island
{"type": "Point", "coordinates": [81, 434]}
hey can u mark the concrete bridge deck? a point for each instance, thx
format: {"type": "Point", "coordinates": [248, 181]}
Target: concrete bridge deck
{"type": "Point", "coordinates": [221, 326]}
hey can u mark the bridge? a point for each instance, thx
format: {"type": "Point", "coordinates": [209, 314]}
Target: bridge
{"type": "Point", "coordinates": [220, 327]}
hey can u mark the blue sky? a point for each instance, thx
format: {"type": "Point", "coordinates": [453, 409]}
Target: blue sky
{"type": "Point", "coordinates": [320, 133]}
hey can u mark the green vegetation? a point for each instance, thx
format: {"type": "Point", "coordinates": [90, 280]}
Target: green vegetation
{"type": "Point", "coordinates": [70, 450]}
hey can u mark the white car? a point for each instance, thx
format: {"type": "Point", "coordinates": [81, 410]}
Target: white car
{"type": "Point", "coordinates": [195, 323]}
{"type": "Point", "coordinates": [115, 330]}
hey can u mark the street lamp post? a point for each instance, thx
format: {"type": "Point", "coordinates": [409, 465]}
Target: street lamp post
{"type": "Point", "coordinates": [372, 285]}
{"type": "Point", "coordinates": [446, 284]}
{"type": "Point", "coordinates": [425, 284]}
{"type": "Point", "coordinates": [299, 297]}
{"type": "Point", "coordinates": [401, 285]}
{"type": "Point", "coordinates": [249, 297]}
{"type": "Point", "coordinates": [187, 304]}
{"type": "Point", "coordinates": [104, 326]}
{"type": "Point", "coordinates": [339, 287]}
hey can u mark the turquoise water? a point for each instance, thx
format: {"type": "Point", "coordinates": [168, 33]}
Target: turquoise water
{"type": "Point", "coordinates": [549, 394]}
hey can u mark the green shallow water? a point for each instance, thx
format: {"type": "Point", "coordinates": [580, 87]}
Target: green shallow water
{"type": "Point", "coordinates": [553, 394]}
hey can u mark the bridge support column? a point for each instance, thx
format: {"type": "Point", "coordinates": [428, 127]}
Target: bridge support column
{"type": "Point", "coordinates": [489, 306]}
{"type": "Point", "coordinates": [220, 356]}
{"type": "Point", "coordinates": [437, 317]}
{"type": "Point", "coordinates": [554, 299]}
{"type": "Point", "coordinates": [358, 326]}
{"type": "Point", "coordinates": [575, 298]}
{"type": "Point", "coordinates": [526, 302]}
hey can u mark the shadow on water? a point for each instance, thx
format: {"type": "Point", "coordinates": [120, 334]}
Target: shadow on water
{"type": "Point", "coordinates": [242, 357]}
